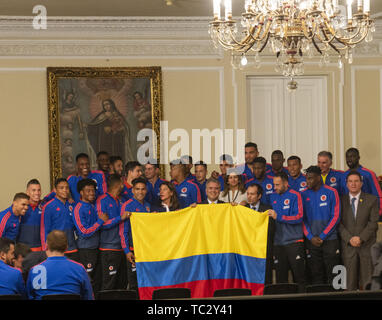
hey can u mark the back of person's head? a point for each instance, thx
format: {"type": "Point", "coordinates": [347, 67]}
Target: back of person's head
{"type": "Point", "coordinates": [20, 195]}
{"type": "Point", "coordinates": [84, 183]}
{"type": "Point", "coordinates": [5, 245]}
{"type": "Point", "coordinates": [57, 241]}
{"type": "Point", "coordinates": [113, 180]}
{"type": "Point", "coordinates": [22, 249]}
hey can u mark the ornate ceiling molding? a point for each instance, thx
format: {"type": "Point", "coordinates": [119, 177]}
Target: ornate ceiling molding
{"type": "Point", "coordinates": [159, 37]}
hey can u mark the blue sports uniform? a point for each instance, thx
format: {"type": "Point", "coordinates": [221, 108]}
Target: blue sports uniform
{"type": "Point", "coordinates": [321, 213]}
{"type": "Point", "coordinates": [202, 188]}
{"type": "Point", "coordinates": [334, 179]}
{"type": "Point", "coordinates": [88, 224]}
{"type": "Point", "coordinates": [271, 173]}
{"type": "Point", "coordinates": [57, 215]}
{"type": "Point", "coordinates": [298, 184]}
{"type": "Point", "coordinates": [153, 191]}
{"type": "Point", "coordinates": [127, 192]}
{"type": "Point", "coordinates": [97, 176]}
{"type": "Point", "coordinates": [188, 193]}
{"type": "Point", "coordinates": [370, 184]}
{"type": "Point", "coordinates": [109, 236]}
{"type": "Point", "coordinates": [266, 184]}
{"type": "Point", "coordinates": [289, 209]}
{"type": "Point", "coordinates": [29, 232]}
{"type": "Point", "coordinates": [247, 171]}
{"type": "Point", "coordinates": [11, 280]}
{"type": "Point", "coordinates": [133, 205]}
{"type": "Point", "coordinates": [9, 224]}
{"type": "Point", "coordinates": [58, 275]}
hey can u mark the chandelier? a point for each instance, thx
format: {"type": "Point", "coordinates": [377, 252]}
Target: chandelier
{"type": "Point", "coordinates": [292, 29]}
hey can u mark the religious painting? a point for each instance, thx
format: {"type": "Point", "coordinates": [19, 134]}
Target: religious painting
{"type": "Point", "coordinates": [101, 109]}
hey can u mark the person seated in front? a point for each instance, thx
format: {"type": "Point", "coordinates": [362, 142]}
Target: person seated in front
{"type": "Point", "coordinates": [168, 198]}
{"type": "Point", "coordinates": [58, 274]}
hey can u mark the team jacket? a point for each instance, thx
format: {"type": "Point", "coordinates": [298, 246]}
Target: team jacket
{"type": "Point", "coordinates": [370, 184]}
{"type": "Point", "coordinates": [9, 224]}
{"type": "Point", "coordinates": [56, 215]}
{"type": "Point", "coordinates": [334, 179]}
{"type": "Point", "coordinates": [125, 234]}
{"type": "Point", "coordinates": [11, 280]}
{"type": "Point", "coordinates": [153, 191]}
{"type": "Point", "coordinates": [188, 193]}
{"type": "Point", "coordinates": [109, 236]}
{"type": "Point", "coordinates": [247, 172]}
{"type": "Point", "coordinates": [267, 185]}
{"type": "Point", "coordinates": [127, 192]}
{"type": "Point", "coordinates": [289, 209]}
{"type": "Point", "coordinates": [321, 213]}
{"type": "Point", "coordinates": [58, 275]}
{"type": "Point", "coordinates": [97, 176]}
{"type": "Point", "coordinates": [221, 180]}
{"type": "Point", "coordinates": [298, 184]}
{"type": "Point", "coordinates": [88, 224]}
{"type": "Point", "coordinates": [271, 173]}
{"type": "Point", "coordinates": [202, 188]}
{"type": "Point", "coordinates": [29, 232]}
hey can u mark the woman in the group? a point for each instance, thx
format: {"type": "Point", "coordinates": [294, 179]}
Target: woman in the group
{"type": "Point", "coordinates": [234, 189]}
{"type": "Point", "coordinates": [168, 199]}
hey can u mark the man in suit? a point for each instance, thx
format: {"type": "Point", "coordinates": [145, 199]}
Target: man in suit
{"type": "Point", "coordinates": [358, 230]}
{"type": "Point", "coordinates": [212, 191]}
{"type": "Point", "coordinates": [254, 194]}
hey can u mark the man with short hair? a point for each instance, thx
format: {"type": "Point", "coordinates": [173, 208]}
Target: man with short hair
{"type": "Point", "coordinates": [103, 162]}
{"type": "Point", "coordinates": [10, 217]}
{"type": "Point", "coordinates": [201, 177]}
{"type": "Point", "coordinates": [188, 192]}
{"type": "Point", "coordinates": [135, 204]}
{"type": "Point", "coordinates": [358, 231]}
{"type": "Point", "coordinates": [151, 172]}
{"type": "Point", "coordinates": [322, 209]}
{"type": "Point", "coordinates": [277, 160]}
{"type": "Point", "coordinates": [11, 280]}
{"type": "Point", "coordinates": [84, 172]}
{"type": "Point", "coordinates": [88, 224]}
{"type": "Point", "coordinates": [57, 215]}
{"type": "Point", "coordinates": [30, 223]}
{"type": "Point", "coordinates": [296, 180]}
{"type": "Point", "coordinates": [58, 274]}
{"type": "Point", "coordinates": [330, 177]}
{"type": "Point", "coordinates": [212, 192]}
{"type": "Point", "coordinates": [254, 194]}
{"type": "Point", "coordinates": [133, 170]}
{"type": "Point", "coordinates": [116, 165]}
{"type": "Point", "coordinates": [370, 182]}
{"type": "Point", "coordinates": [251, 153]}
{"type": "Point", "coordinates": [261, 178]}
{"type": "Point", "coordinates": [288, 249]}
{"type": "Point", "coordinates": [113, 263]}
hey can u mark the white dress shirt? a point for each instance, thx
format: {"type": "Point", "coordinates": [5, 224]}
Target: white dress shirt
{"type": "Point", "coordinates": [256, 207]}
{"type": "Point", "coordinates": [355, 202]}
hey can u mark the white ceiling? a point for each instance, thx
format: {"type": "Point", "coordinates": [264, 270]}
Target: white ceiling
{"type": "Point", "coordinates": [155, 8]}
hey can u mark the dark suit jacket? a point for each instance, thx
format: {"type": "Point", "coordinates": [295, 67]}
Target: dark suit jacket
{"type": "Point", "coordinates": [262, 207]}
{"type": "Point", "coordinates": [206, 201]}
{"type": "Point", "coordinates": [365, 225]}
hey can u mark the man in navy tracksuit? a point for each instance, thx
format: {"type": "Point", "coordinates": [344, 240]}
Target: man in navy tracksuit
{"type": "Point", "coordinates": [88, 224]}
{"type": "Point", "coordinates": [57, 215]}
{"type": "Point", "coordinates": [321, 219]}
{"type": "Point", "coordinates": [84, 172]}
{"type": "Point", "coordinates": [332, 178]}
{"type": "Point", "coordinates": [288, 250]}
{"type": "Point", "coordinates": [153, 184]}
{"type": "Point", "coordinates": [136, 204]}
{"type": "Point", "coordinates": [58, 274]}
{"type": "Point", "coordinates": [261, 178]}
{"type": "Point", "coordinates": [29, 232]}
{"type": "Point", "coordinates": [113, 261]}
{"type": "Point", "coordinates": [10, 218]}
{"type": "Point", "coordinates": [11, 280]}
{"type": "Point", "coordinates": [296, 180]}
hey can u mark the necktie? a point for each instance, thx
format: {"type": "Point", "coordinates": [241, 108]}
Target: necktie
{"type": "Point", "coordinates": [353, 205]}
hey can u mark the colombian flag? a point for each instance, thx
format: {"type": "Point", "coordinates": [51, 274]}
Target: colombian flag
{"type": "Point", "coordinates": [210, 247]}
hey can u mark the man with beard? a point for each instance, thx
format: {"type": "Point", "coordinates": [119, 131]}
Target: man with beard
{"type": "Point", "coordinates": [116, 165]}
{"type": "Point", "coordinates": [103, 162]}
{"type": "Point", "coordinates": [251, 153]}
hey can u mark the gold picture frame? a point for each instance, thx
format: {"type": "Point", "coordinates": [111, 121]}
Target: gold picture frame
{"type": "Point", "coordinates": [77, 113]}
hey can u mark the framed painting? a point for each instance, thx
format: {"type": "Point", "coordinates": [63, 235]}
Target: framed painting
{"type": "Point", "coordinates": [101, 109]}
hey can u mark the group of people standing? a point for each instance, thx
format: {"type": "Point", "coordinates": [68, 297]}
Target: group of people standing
{"type": "Point", "coordinates": [318, 220]}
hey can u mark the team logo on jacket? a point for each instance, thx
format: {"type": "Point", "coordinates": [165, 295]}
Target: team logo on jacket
{"type": "Point", "coordinates": [147, 208]}
{"type": "Point", "coordinates": [184, 190]}
{"type": "Point", "coordinates": [268, 186]}
{"type": "Point", "coordinates": [70, 208]}
{"type": "Point", "coordinates": [303, 184]}
{"type": "Point", "coordinates": [286, 202]}
{"type": "Point", "coordinates": [323, 197]}
{"type": "Point", "coordinates": [333, 179]}
{"type": "Point", "coordinates": [111, 268]}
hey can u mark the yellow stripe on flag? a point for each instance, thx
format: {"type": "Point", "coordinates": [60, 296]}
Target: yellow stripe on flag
{"type": "Point", "coordinates": [205, 229]}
